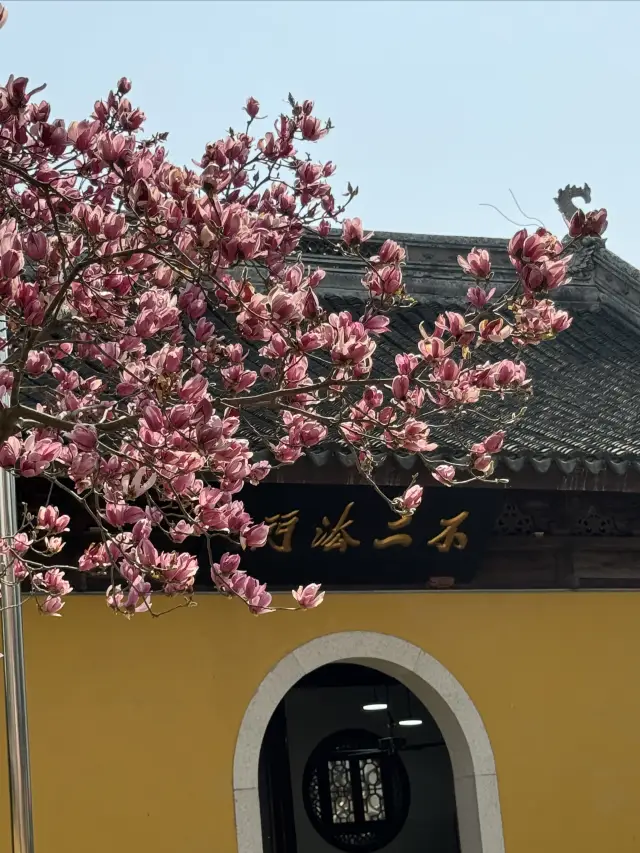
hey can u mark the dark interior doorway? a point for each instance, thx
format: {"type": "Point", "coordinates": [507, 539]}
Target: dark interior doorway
{"type": "Point", "coordinates": [351, 760]}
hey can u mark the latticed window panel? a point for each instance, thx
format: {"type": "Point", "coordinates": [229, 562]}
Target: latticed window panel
{"type": "Point", "coordinates": [341, 791]}
{"type": "Point", "coordinates": [313, 794]}
{"type": "Point", "coordinates": [372, 791]}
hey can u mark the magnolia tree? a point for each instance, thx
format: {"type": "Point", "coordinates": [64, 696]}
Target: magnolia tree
{"type": "Point", "coordinates": [153, 312]}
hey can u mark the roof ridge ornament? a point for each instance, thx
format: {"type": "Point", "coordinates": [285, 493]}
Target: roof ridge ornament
{"type": "Point", "coordinates": [564, 200]}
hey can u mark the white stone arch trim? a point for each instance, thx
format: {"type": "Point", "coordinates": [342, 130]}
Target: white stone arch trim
{"type": "Point", "coordinates": [476, 784]}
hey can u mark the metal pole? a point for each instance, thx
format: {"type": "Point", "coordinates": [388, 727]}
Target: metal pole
{"type": "Point", "coordinates": [15, 693]}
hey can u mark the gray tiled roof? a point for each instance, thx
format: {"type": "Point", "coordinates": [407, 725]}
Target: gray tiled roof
{"type": "Point", "coordinates": [585, 409]}
{"type": "Point", "coordinates": [586, 399]}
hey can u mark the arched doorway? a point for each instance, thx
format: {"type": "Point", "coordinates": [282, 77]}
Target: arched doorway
{"type": "Point", "coordinates": [352, 761]}
{"type": "Point", "coordinates": [473, 768]}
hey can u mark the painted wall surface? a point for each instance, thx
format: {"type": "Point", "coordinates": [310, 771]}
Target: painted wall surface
{"type": "Point", "coordinates": [313, 714]}
{"type": "Point", "coordinates": [133, 724]}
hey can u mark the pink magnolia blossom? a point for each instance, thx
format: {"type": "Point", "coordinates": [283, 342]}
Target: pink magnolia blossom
{"type": "Point", "coordinates": [37, 455]}
{"type": "Point", "coordinates": [400, 387]}
{"type": "Point", "coordinates": [410, 500]}
{"type": "Point", "coordinates": [53, 544]}
{"type": "Point", "coordinates": [254, 536]}
{"type": "Point", "coordinates": [406, 363]}
{"type": "Point", "coordinates": [445, 474]}
{"type": "Point", "coordinates": [85, 438]}
{"type": "Point", "coordinates": [49, 518]}
{"type": "Point", "coordinates": [20, 571]}
{"type": "Point", "coordinates": [308, 596]}
{"type": "Point", "coordinates": [228, 564]}
{"type": "Point", "coordinates": [257, 597]}
{"type": "Point", "coordinates": [592, 224]}
{"type": "Point", "coordinates": [121, 513]}
{"type": "Point", "coordinates": [390, 253]}
{"type": "Point", "coordinates": [352, 231]}
{"type": "Point", "coordinates": [35, 245]}
{"type": "Point", "coordinates": [479, 297]}
{"type": "Point", "coordinates": [495, 331]}
{"type": "Point", "coordinates": [483, 463]}
{"type": "Point", "coordinates": [178, 572]}
{"type": "Point", "coordinates": [21, 543]}
{"type": "Point", "coordinates": [52, 605]}
{"type": "Point", "coordinates": [54, 582]}
{"type": "Point", "coordinates": [312, 128]}
{"type": "Point", "coordinates": [477, 263]}
{"type": "Point", "coordinates": [147, 553]}
{"type": "Point", "coordinates": [493, 443]}
{"type": "Point", "coordinates": [38, 363]}
{"type": "Point", "coordinates": [414, 437]}
{"type": "Point", "coordinates": [135, 599]}
{"type": "Point", "coordinates": [376, 325]}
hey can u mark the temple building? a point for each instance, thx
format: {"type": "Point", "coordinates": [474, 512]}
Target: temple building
{"type": "Point", "coordinates": [469, 684]}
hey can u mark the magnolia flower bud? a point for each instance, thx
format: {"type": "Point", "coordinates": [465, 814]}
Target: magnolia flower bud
{"type": "Point", "coordinates": [47, 517]}
{"type": "Point", "coordinates": [9, 452]}
{"type": "Point", "coordinates": [400, 386]}
{"type": "Point", "coordinates": [35, 245]}
{"type": "Point", "coordinates": [85, 437]}
{"type": "Point", "coordinates": [352, 231]}
{"type": "Point", "coordinates": [153, 418]}
{"type": "Point", "coordinates": [252, 107]}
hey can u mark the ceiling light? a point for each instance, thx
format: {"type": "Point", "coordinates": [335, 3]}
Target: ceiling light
{"type": "Point", "coordinates": [375, 706]}
{"type": "Point", "coordinates": [409, 722]}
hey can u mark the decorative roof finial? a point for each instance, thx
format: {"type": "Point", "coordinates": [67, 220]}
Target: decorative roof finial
{"type": "Point", "coordinates": [565, 197]}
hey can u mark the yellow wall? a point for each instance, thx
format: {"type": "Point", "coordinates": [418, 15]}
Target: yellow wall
{"type": "Point", "coordinates": [133, 724]}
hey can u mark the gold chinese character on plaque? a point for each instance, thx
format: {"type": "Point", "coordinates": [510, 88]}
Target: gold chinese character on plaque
{"type": "Point", "coordinates": [335, 538]}
{"type": "Point", "coordinates": [282, 526]}
{"type": "Point", "coordinates": [451, 535]}
{"type": "Point", "coordinates": [402, 539]}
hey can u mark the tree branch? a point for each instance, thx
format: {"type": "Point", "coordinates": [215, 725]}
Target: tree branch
{"type": "Point", "coordinates": [270, 396]}
{"type": "Point", "coordinates": [43, 419]}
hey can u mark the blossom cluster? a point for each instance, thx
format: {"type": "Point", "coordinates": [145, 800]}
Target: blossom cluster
{"type": "Point", "coordinates": [153, 309]}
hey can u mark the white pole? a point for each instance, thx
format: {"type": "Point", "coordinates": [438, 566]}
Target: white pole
{"type": "Point", "coordinates": [15, 693]}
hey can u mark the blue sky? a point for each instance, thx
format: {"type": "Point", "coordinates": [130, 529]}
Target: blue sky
{"type": "Point", "coordinates": [438, 106]}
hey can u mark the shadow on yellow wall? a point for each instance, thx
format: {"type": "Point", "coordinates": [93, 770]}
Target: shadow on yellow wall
{"type": "Point", "coordinates": [133, 724]}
